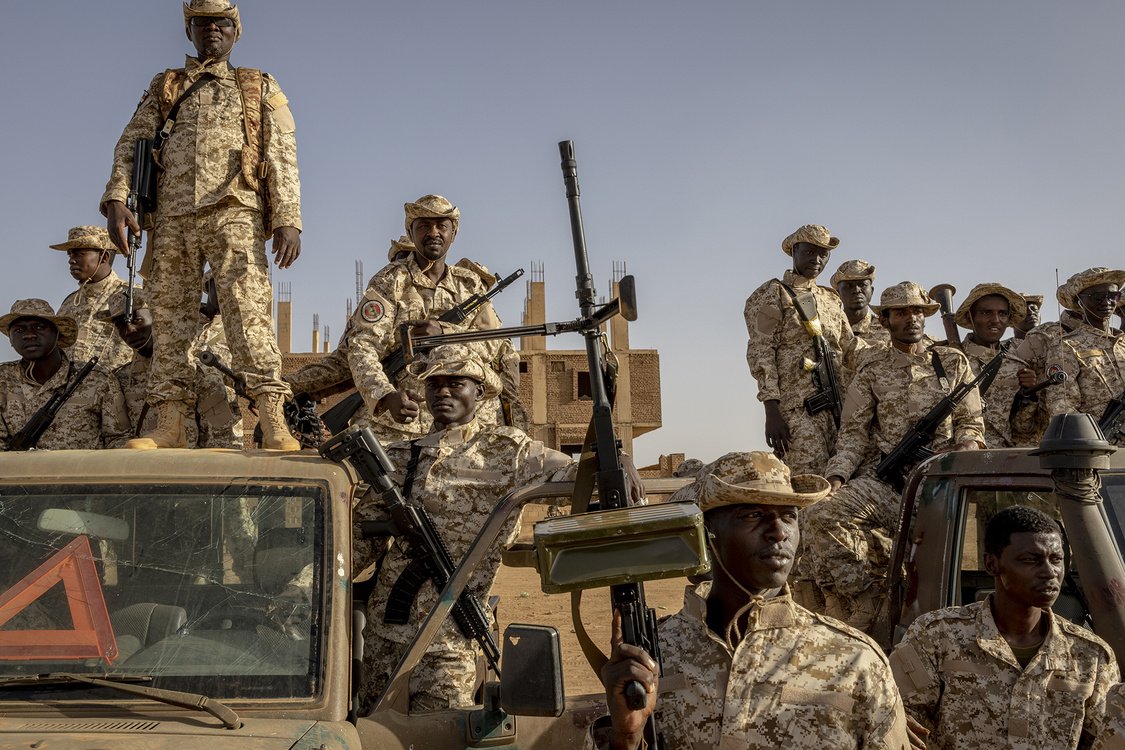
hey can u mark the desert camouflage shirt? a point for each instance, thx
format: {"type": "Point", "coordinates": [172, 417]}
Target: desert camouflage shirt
{"type": "Point", "coordinates": [202, 159]}
{"type": "Point", "coordinates": [1030, 418]}
{"type": "Point", "coordinates": [96, 338]}
{"type": "Point", "coordinates": [93, 417]}
{"type": "Point", "coordinates": [1112, 736]}
{"type": "Point", "coordinates": [890, 392]}
{"type": "Point", "coordinates": [401, 292]}
{"type": "Point", "coordinates": [462, 473]}
{"type": "Point", "coordinates": [997, 401]}
{"type": "Point", "coordinates": [959, 678]}
{"type": "Point", "coordinates": [870, 330]}
{"type": "Point", "coordinates": [778, 342]}
{"type": "Point", "coordinates": [796, 680]}
{"type": "Point", "coordinates": [1094, 362]}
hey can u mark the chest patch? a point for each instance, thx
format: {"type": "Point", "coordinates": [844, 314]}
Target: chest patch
{"type": "Point", "coordinates": [372, 311]}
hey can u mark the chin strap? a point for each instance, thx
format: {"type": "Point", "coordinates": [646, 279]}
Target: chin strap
{"type": "Point", "coordinates": [733, 634]}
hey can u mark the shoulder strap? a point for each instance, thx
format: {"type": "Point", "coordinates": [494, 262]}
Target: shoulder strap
{"type": "Point", "coordinates": [411, 469]}
{"type": "Point", "coordinates": [939, 369]}
{"type": "Point", "coordinates": [174, 110]}
{"type": "Point", "coordinates": [251, 85]}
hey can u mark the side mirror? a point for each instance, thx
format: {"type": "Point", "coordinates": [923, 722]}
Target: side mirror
{"type": "Point", "coordinates": [627, 294]}
{"type": "Point", "coordinates": [532, 680]}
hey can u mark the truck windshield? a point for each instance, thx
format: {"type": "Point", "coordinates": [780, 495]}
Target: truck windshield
{"type": "Point", "coordinates": [207, 589]}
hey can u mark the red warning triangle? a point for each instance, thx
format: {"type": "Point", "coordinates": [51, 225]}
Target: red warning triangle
{"type": "Point", "coordinates": [92, 636]}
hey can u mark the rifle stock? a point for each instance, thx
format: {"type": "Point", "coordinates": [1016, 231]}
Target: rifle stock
{"type": "Point", "coordinates": [141, 201]}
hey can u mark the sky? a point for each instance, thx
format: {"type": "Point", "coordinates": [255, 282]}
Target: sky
{"type": "Point", "coordinates": [961, 142]}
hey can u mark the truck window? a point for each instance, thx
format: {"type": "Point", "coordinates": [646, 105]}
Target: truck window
{"type": "Point", "coordinates": [207, 589]}
{"type": "Point", "coordinates": [1113, 493]}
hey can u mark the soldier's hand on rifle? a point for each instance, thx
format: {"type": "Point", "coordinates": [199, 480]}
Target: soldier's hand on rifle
{"type": "Point", "coordinates": [425, 328]}
{"type": "Point", "coordinates": [1026, 377]}
{"type": "Point", "coordinates": [286, 246]}
{"type": "Point", "coordinates": [626, 664]}
{"type": "Point", "coordinates": [119, 221]}
{"type": "Point", "coordinates": [836, 482]}
{"type": "Point", "coordinates": [917, 733]}
{"type": "Point", "coordinates": [966, 445]}
{"type": "Point", "coordinates": [778, 436]}
{"type": "Point", "coordinates": [402, 404]}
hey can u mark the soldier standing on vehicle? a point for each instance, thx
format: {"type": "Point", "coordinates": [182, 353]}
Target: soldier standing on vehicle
{"type": "Point", "coordinates": [94, 414]}
{"type": "Point", "coordinates": [850, 535]}
{"type": "Point", "coordinates": [91, 264]}
{"type": "Point", "coordinates": [779, 346]}
{"type": "Point", "coordinates": [1008, 672]}
{"type": "Point", "coordinates": [417, 287]}
{"type": "Point", "coordinates": [854, 281]}
{"type": "Point", "coordinates": [988, 311]}
{"type": "Point", "coordinates": [227, 179]}
{"type": "Point", "coordinates": [458, 472]}
{"type": "Point", "coordinates": [743, 664]}
{"type": "Point", "coordinates": [1033, 303]}
{"type": "Point", "coordinates": [1093, 354]}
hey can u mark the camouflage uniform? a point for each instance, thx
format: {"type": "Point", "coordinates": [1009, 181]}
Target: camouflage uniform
{"type": "Point", "coordinates": [1029, 418]}
{"type": "Point", "coordinates": [849, 535]}
{"type": "Point", "coordinates": [959, 678]}
{"type": "Point", "coordinates": [96, 338]}
{"type": "Point", "coordinates": [93, 417]}
{"type": "Point", "coordinates": [996, 402]}
{"type": "Point", "coordinates": [1094, 362]}
{"type": "Point", "coordinates": [796, 680]}
{"type": "Point", "coordinates": [399, 292]}
{"type": "Point", "coordinates": [462, 472]}
{"type": "Point", "coordinates": [870, 330]}
{"type": "Point", "coordinates": [1112, 736]}
{"type": "Point", "coordinates": [209, 212]}
{"type": "Point", "coordinates": [778, 345]}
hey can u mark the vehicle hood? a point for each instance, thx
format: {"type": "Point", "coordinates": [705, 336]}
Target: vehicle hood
{"type": "Point", "coordinates": [136, 733]}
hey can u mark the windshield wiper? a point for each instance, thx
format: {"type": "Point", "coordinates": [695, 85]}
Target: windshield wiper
{"type": "Point", "coordinates": [191, 701]}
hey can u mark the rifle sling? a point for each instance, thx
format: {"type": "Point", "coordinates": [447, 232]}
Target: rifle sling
{"type": "Point", "coordinates": [411, 570]}
{"type": "Point", "coordinates": [170, 120]}
{"type": "Point", "coordinates": [62, 392]}
{"type": "Point", "coordinates": [801, 312]}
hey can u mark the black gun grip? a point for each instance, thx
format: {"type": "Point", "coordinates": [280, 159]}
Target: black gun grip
{"type": "Point", "coordinates": [401, 598]}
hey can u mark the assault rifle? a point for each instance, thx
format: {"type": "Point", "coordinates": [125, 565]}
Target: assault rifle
{"type": "Point", "coordinates": [915, 445]}
{"type": "Point", "coordinates": [827, 394]}
{"type": "Point", "coordinates": [430, 558]}
{"type": "Point", "coordinates": [28, 435]}
{"type": "Point", "coordinates": [209, 359]}
{"type": "Point", "coordinates": [141, 201]}
{"type": "Point", "coordinates": [1112, 422]}
{"type": "Point", "coordinates": [336, 419]}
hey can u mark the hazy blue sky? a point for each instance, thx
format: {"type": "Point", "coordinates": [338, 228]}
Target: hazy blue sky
{"type": "Point", "coordinates": [949, 141]}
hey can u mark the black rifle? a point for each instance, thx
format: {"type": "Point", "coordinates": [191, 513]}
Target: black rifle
{"type": "Point", "coordinates": [915, 445]}
{"type": "Point", "coordinates": [430, 558]}
{"type": "Point", "coordinates": [1112, 422]}
{"type": "Point", "coordinates": [827, 394]}
{"type": "Point", "coordinates": [210, 359]}
{"type": "Point", "coordinates": [28, 435]}
{"type": "Point", "coordinates": [336, 419]}
{"type": "Point", "coordinates": [141, 201]}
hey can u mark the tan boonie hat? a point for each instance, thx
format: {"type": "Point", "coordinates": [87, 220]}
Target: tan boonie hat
{"type": "Point", "coordinates": [431, 207]}
{"type": "Point", "coordinates": [1017, 308]}
{"type": "Point", "coordinates": [115, 306]}
{"type": "Point", "coordinates": [86, 238]}
{"type": "Point", "coordinates": [1033, 299]}
{"type": "Point", "coordinates": [402, 246]}
{"type": "Point", "coordinates": [212, 8]}
{"type": "Point", "coordinates": [41, 308]}
{"type": "Point", "coordinates": [853, 270]}
{"type": "Point", "coordinates": [905, 294]}
{"type": "Point", "coordinates": [754, 478]}
{"type": "Point", "coordinates": [1067, 294]}
{"type": "Point", "coordinates": [812, 233]}
{"type": "Point", "coordinates": [459, 360]}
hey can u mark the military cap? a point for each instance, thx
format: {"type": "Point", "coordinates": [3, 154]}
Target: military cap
{"type": "Point", "coordinates": [41, 308]}
{"type": "Point", "coordinates": [1033, 299]}
{"type": "Point", "coordinates": [754, 478]}
{"type": "Point", "coordinates": [1067, 294]}
{"type": "Point", "coordinates": [905, 294]}
{"type": "Point", "coordinates": [212, 9]}
{"type": "Point", "coordinates": [457, 360]}
{"type": "Point", "coordinates": [431, 207]}
{"type": "Point", "coordinates": [812, 233]}
{"type": "Point", "coordinates": [853, 270]}
{"type": "Point", "coordinates": [1017, 307]}
{"type": "Point", "coordinates": [402, 246]}
{"type": "Point", "coordinates": [86, 238]}
{"type": "Point", "coordinates": [115, 305]}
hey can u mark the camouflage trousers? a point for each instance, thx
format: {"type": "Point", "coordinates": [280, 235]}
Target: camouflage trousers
{"type": "Point", "coordinates": [445, 677]}
{"type": "Point", "coordinates": [848, 540]}
{"type": "Point", "coordinates": [813, 440]}
{"type": "Point", "coordinates": [227, 238]}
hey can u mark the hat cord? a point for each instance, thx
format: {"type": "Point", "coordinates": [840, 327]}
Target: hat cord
{"type": "Point", "coordinates": [733, 635]}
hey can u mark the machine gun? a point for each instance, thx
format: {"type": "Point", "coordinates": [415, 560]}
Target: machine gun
{"type": "Point", "coordinates": [141, 201]}
{"type": "Point", "coordinates": [28, 435]}
{"type": "Point", "coordinates": [430, 558]}
{"type": "Point", "coordinates": [827, 394]}
{"type": "Point", "coordinates": [336, 419]}
{"type": "Point", "coordinates": [915, 445]}
{"type": "Point", "coordinates": [1112, 423]}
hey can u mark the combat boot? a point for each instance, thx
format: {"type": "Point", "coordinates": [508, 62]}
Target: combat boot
{"type": "Point", "coordinates": [271, 418]}
{"type": "Point", "coordinates": [169, 432]}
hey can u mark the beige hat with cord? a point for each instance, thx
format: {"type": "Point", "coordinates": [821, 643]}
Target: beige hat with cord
{"type": "Point", "coordinates": [905, 294]}
{"type": "Point", "coordinates": [754, 478]}
{"type": "Point", "coordinates": [812, 233]}
{"type": "Point", "coordinates": [402, 246]}
{"type": "Point", "coordinates": [86, 238]}
{"type": "Point", "coordinates": [1017, 306]}
{"type": "Point", "coordinates": [431, 207]}
{"type": "Point", "coordinates": [1067, 294]}
{"type": "Point", "coordinates": [41, 308]}
{"type": "Point", "coordinates": [457, 360]}
{"type": "Point", "coordinates": [853, 270]}
{"type": "Point", "coordinates": [212, 9]}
